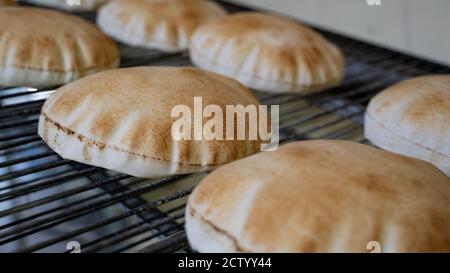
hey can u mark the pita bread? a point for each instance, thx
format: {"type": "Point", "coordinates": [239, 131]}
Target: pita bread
{"type": "Point", "coordinates": [121, 120]}
{"type": "Point", "coordinates": [70, 5]}
{"type": "Point", "coordinates": [321, 196]}
{"type": "Point", "coordinates": [43, 48]}
{"type": "Point", "coordinates": [413, 118]}
{"type": "Point", "coordinates": [268, 53]}
{"type": "Point", "coordinates": [166, 25]}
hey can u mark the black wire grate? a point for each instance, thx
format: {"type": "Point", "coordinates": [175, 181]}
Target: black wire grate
{"type": "Point", "coordinates": [46, 201]}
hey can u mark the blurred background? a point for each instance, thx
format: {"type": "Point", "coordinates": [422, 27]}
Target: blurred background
{"type": "Point", "coordinates": [419, 27]}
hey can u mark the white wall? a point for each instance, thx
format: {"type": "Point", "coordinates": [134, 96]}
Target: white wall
{"type": "Point", "coordinates": [420, 27]}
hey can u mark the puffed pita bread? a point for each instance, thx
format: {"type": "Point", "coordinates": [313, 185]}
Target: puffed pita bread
{"type": "Point", "coordinates": [70, 5]}
{"type": "Point", "coordinates": [166, 25]}
{"type": "Point", "coordinates": [42, 48]}
{"type": "Point", "coordinates": [121, 120]}
{"type": "Point", "coordinates": [413, 118]}
{"type": "Point", "coordinates": [268, 53]}
{"type": "Point", "coordinates": [321, 196]}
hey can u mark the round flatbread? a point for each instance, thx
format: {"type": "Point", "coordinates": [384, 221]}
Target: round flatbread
{"type": "Point", "coordinates": [268, 53]}
{"type": "Point", "coordinates": [43, 48]}
{"type": "Point", "coordinates": [321, 196]}
{"type": "Point", "coordinates": [166, 25]}
{"type": "Point", "coordinates": [122, 120]}
{"type": "Point", "coordinates": [413, 118]}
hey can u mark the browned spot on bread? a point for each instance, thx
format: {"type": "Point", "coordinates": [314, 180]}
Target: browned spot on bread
{"type": "Point", "coordinates": [427, 107]}
{"type": "Point", "coordinates": [377, 184]}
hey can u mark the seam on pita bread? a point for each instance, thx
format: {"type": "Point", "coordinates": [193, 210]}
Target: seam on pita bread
{"type": "Point", "coordinates": [102, 145]}
{"type": "Point", "coordinates": [196, 214]}
{"type": "Point", "coordinates": [293, 84]}
{"type": "Point", "coordinates": [405, 138]}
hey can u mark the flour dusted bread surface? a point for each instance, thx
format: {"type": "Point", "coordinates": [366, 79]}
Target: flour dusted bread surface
{"type": "Point", "coordinates": [42, 48]}
{"type": "Point", "coordinates": [268, 53]}
{"type": "Point", "coordinates": [82, 5]}
{"type": "Point", "coordinates": [413, 118]}
{"type": "Point", "coordinates": [321, 196]}
{"type": "Point", "coordinates": [161, 24]}
{"type": "Point", "coordinates": [121, 120]}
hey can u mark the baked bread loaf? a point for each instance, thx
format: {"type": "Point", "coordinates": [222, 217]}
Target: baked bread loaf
{"type": "Point", "coordinates": [43, 48]}
{"type": "Point", "coordinates": [70, 5]}
{"type": "Point", "coordinates": [166, 25]}
{"type": "Point", "coordinates": [121, 120]}
{"type": "Point", "coordinates": [321, 196]}
{"type": "Point", "coordinates": [413, 118]}
{"type": "Point", "coordinates": [268, 53]}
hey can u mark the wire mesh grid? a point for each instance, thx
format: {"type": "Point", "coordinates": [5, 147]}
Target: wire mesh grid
{"type": "Point", "coordinates": [47, 202]}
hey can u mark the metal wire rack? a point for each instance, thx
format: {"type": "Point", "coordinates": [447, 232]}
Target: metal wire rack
{"type": "Point", "coordinates": [47, 201]}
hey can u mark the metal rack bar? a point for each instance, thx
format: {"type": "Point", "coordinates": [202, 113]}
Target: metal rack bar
{"type": "Point", "coordinates": [142, 208]}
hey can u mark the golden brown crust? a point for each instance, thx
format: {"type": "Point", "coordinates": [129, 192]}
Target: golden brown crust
{"type": "Point", "coordinates": [412, 118]}
{"type": "Point", "coordinates": [427, 99]}
{"type": "Point", "coordinates": [328, 196]}
{"type": "Point", "coordinates": [264, 48]}
{"type": "Point", "coordinates": [160, 23]}
{"type": "Point", "coordinates": [130, 109]}
{"type": "Point", "coordinates": [47, 40]}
